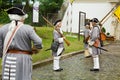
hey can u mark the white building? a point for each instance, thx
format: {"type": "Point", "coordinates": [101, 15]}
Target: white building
{"type": "Point", "coordinates": [93, 9]}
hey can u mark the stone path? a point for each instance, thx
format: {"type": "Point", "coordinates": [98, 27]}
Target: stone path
{"type": "Point", "coordinates": [77, 67]}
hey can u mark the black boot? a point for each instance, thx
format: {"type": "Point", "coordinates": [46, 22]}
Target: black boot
{"type": "Point", "coordinates": [58, 70]}
{"type": "Point", "coordinates": [94, 69]}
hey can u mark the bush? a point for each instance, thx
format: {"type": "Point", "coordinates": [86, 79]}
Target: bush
{"type": "Point", "coordinates": [108, 33]}
{"type": "Point", "coordinates": [103, 30]}
{"type": "Point", "coordinates": [4, 17]}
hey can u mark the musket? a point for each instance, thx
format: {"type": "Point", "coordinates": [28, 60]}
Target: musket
{"type": "Point", "coordinates": [101, 48]}
{"type": "Point", "coordinates": [95, 44]}
{"type": "Point", "coordinates": [117, 4]}
{"type": "Point", "coordinates": [66, 41]}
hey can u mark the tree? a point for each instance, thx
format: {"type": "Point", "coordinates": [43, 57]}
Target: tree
{"type": "Point", "coordinates": [27, 6]}
{"type": "Point", "coordinates": [5, 4]}
{"type": "Point", "coordinates": [0, 4]}
{"type": "Point", "coordinates": [50, 6]}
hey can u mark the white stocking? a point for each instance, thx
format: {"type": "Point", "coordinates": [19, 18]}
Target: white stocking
{"type": "Point", "coordinates": [56, 63]}
{"type": "Point", "coordinates": [96, 62]}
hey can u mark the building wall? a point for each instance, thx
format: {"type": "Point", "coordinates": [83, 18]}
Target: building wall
{"type": "Point", "coordinates": [92, 10]}
{"type": "Point", "coordinates": [116, 29]}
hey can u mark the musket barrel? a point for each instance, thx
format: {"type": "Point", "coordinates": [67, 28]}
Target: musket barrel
{"type": "Point", "coordinates": [66, 41]}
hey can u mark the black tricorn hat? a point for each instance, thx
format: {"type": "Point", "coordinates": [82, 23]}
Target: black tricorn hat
{"type": "Point", "coordinates": [94, 20]}
{"type": "Point", "coordinates": [88, 23]}
{"type": "Point", "coordinates": [17, 9]}
{"type": "Point", "coordinates": [57, 22]}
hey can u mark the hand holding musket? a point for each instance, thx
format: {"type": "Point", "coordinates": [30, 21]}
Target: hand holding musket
{"type": "Point", "coordinates": [86, 39]}
{"type": "Point", "coordinates": [34, 50]}
{"type": "Point", "coordinates": [66, 41]}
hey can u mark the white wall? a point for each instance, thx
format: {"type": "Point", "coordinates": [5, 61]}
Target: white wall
{"type": "Point", "coordinates": [92, 10]}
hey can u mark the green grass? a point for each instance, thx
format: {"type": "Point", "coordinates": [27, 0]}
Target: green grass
{"type": "Point", "coordinates": [46, 33]}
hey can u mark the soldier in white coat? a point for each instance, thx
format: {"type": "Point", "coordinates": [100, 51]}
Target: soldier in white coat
{"type": "Point", "coordinates": [85, 41]}
{"type": "Point", "coordinates": [94, 42]}
{"type": "Point", "coordinates": [16, 46]}
{"type": "Point", "coordinates": [57, 38]}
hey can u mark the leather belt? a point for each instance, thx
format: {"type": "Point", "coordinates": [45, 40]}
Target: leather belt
{"type": "Point", "coordinates": [18, 51]}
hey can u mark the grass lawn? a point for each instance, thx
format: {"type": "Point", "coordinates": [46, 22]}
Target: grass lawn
{"type": "Point", "coordinates": [46, 34]}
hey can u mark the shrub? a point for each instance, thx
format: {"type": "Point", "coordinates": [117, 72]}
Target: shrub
{"type": "Point", "coordinates": [108, 33]}
{"type": "Point", "coordinates": [4, 17]}
{"type": "Point", "coordinates": [103, 30]}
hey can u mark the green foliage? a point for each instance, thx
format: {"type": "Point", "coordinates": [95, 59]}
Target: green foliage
{"type": "Point", "coordinates": [47, 6]}
{"type": "Point", "coordinates": [46, 33]}
{"type": "Point", "coordinates": [108, 33]}
{"type": "Point", "coordinates": [103, 30]}
{"type": "Point", "coordinates": [17, 1]}
{"type": "Point", "coordinates": [4, 17]}
{"type": "Point", "coordinates": [5, 4]}
{"type": "Point", "coordinates": [0, 2]}
{"type": "Point", "coordinates": [29, 19]}
{"type": "Point", "coordinates": [50, 6]}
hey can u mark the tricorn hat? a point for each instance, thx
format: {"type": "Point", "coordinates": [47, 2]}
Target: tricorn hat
{"type": "Point", "coordinates": [17, 12]}
{"type": "Point", "coordinates": [57, 22]}
{"type": "Point", "coordinates": [88, 23]}
{"type": "Point", "coordinates": [17, 9]}
{"type": "Point", "coordinates": [94, 20]}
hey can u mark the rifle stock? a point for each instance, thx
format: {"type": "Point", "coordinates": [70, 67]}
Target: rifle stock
{"type": "Point", "coordinates": [66, 41]}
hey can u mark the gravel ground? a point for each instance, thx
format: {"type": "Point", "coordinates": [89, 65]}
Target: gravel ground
{"type": "Point", "coordinates": [78, 68]}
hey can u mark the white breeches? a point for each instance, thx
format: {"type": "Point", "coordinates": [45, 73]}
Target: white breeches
{"type": "Point", "coordinates": [59, 51]}
{"type": "Point", "coordinates": [90, 50]}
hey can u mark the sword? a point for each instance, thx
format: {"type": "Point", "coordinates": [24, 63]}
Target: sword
{"type": "Point", "coordinates": [101, 48]}
{"type": "Point", "coordinates": [96, 45]}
